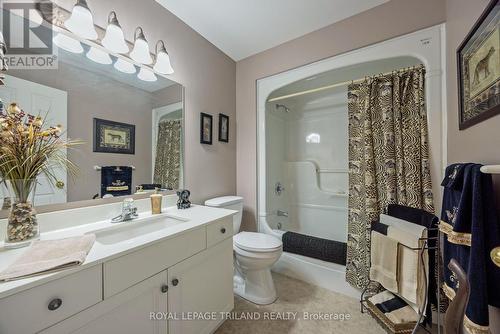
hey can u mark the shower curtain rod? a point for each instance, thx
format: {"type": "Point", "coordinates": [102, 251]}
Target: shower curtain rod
{"type": "Point", "coordinates": [339, 84]}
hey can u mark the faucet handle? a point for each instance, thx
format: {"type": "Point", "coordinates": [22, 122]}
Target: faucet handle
{"type": "Point", "coordinates": [127, 203]}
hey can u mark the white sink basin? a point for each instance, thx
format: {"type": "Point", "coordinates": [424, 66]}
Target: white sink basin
{"type": "Point", "coordinates": [124, 231]}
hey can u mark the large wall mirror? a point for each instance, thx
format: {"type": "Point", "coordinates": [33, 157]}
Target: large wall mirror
{"type": "Point", "coordinates": [131, 126]}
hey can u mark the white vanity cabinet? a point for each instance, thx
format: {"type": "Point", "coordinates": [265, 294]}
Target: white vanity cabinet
{"type": "Point", "coordinates": [181, 284]}
{"type": "Point", "coordinates": [198, 290]}
{"type": "Point", "coordinates": [128, 312]}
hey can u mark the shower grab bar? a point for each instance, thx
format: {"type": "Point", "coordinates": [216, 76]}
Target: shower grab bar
{"type": "Point", "coordinates": [332, 170]}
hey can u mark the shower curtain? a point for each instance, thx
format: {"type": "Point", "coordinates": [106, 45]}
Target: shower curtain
{"type": "Point", "coordinates": [168, 154]}
{"type": "Point", "coordinates": [388, 157]}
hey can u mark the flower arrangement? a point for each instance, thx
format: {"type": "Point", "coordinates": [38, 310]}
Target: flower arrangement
{"type": "Point", "coordinates": [28, 148]}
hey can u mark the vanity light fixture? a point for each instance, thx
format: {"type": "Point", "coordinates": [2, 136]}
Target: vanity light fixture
{"type": "Point", "coordinates": [162, 64]}
{"type": "Point", "coordinates": [124, 66]}
{"type": "Point", "coordinates": [140, 52]}
{"type": "Point", "coordinates": [113, 39]}
{"type": "Point", "coordinates": [81, 22]}
{"type": "Point", "coordinates": [67, 43]}
{"type": "Point", "coordinates": [146, 74]}
{"type": "Point", "coordinates": [99, 56]}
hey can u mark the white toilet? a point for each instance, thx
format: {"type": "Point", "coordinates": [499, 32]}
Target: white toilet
{"type": "Point", "coordinates": [254, 253]}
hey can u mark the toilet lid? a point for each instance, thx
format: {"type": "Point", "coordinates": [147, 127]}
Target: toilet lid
{"type": "Point", "coordinates": [256, 242]}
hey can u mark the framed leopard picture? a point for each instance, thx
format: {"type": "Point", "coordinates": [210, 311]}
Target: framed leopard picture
{"type": "Point", "coordinates": [478, 60]}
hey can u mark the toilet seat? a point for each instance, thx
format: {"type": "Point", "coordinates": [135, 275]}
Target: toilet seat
{"type": "Point", "coordinates": [256, 242]}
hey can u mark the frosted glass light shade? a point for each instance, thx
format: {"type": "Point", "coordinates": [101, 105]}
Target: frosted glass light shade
{"type": "Point", "coordinates": [140, 52]}
{"type": "Point", "coordinates": [162, 64]}
{"type": "Point", "coordinates": [124, 66]}
{"type": "Point", "coordinates": [81, 22]}
{"type": "Point", "coordinates": [67, 43]}
{"type": "Point", "coordinates": [99, 56]}
{"type": "Point", "coordinates": [146, 75]}
{"type": "Point", "coordinates": [114, 40]}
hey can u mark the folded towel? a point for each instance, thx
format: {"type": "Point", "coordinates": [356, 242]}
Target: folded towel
{"type": "Point", "coordinates": [393, 307]}
{"type": "Point", "coordinates": [384, 261]}
{"type": "Point", "coordinates": [410, 273]}
{"type": "Point", "coordinates": [45, 256]}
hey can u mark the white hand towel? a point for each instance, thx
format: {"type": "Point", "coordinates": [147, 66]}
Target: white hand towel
{"type": "Point", "coordinates": [45, 256]}
{"type": "Point", "coordinates": [384, 261]}
{"type": "Point", "coordinates": [411, 278]}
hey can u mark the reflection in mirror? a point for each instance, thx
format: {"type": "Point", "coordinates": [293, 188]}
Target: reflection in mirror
{"type": "Point", "coordinates": [132, 129]}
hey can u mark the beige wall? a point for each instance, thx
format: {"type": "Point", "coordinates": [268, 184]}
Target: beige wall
{"type": "Point", "coordinates": [209, 79]}
{"type": "Point", "coordinates": [479, 143]}
{"type": "Point", "coordinates": [394, 18]}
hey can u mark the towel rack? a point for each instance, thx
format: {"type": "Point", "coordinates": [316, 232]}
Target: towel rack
{"type": "Point", "coordinates": [100, 167]}
{"type": "Point", "coordinates": [491, 169]}
{"type": "Point", "coordinates": [424, 245]}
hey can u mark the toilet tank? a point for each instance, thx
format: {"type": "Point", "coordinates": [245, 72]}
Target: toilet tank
{"type": "Point", "coordinates": [231, 203]}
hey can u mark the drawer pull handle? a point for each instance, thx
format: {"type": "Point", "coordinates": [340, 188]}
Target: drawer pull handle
{"type": "Point", "coordinates": [54, 304]}
{"type": "Point", "coordinates": [164, 288]}
{"type": "Point", "coordinates": [223, 230]}
{"type": "Point", "coordinates": [175, 281]}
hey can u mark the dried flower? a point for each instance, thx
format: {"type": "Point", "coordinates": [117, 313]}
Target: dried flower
{"type": "Point", "coordinates": [29, 148]}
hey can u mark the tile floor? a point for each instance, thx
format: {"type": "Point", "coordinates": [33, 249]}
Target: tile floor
{"type": "Point", "coordinates": [297, 296]}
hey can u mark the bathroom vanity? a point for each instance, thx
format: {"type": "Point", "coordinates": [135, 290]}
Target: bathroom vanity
{"type": "Point", "coordinates": [167, 273]}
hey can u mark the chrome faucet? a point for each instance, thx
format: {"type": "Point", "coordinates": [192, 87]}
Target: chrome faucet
{"type": "Point", "coordinates": [129, 211]}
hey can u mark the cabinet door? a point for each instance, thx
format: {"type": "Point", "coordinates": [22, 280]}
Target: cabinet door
{"type": "Point", "coordinates": [129, 312]}
{"type": "Point", "coordinates": [201, 287]}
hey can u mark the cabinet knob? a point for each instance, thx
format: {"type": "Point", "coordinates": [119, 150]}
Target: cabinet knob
{"type": "Point", "coordinates": [54, 304]}
{"type": "Point", "coordinates": [175, 281]}
{"type": "Point", "coordinates": [164, 288]}
{"type": "Point", "coordinates": [223, 230]}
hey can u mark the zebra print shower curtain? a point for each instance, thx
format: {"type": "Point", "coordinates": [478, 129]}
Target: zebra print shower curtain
{"type": "Point", "coordinates": [388, 157]}
{"type": "Point", "coordinates": [168, 154]}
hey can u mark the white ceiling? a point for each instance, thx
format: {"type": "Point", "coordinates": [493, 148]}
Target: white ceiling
{"type": "Point", "coordinates": [242, 28]}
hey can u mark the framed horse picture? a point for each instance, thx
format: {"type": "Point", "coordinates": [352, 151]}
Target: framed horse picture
{"type": "Point", "coordinates": [113, 137]}
{"type": "Point", "coordinates": [478, 61]}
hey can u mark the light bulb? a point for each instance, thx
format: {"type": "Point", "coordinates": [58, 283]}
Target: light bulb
{"type": "Point", "coordinates": [114, 40]}
{"type": "Point", "coordinates": [146, 75]}
{"type": "Point", "coordinates": [81, 22]}
{"type": "Point", "coordinates": [67, 43]}
{"type": "Point", "coordinates": [99, 56]}
{"type": "Point", "coordinates": [162, 64]}
{"type": "Point", "coordinates": [124, 66]}
{"type": "Point", "coordinates": [140, 52]}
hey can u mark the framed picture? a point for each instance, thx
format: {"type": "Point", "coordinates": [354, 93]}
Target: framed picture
{"type": "Point", "coordinates": [478, 61]}
{"type": "Point", "coordinates": [224, 128]}
{"type": "Point", "coordinates": [206, 128]}
{"type": "Point", "coordinates": [113, 137]}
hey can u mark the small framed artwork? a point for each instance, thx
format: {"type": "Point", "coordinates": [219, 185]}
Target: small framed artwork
{"type": "Point", "coordinates": [223, 128]}
{"type": "Point", "coordinates": [478, 61]}
{"type": "Point", "coordinates": [206, 128]}
{"type": "Point", "coordinates": [113, 137]}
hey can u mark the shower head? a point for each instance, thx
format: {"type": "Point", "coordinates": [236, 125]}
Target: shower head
{"type": "Point", "coordinates": [282, 107]}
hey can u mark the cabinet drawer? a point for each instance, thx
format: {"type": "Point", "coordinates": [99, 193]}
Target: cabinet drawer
{"type": "Point", "coordinates": [132, 268]}
{"type": "Point", "coordinates": [39, 307]}
{"type": "Point", "coordinates": [219, 230]}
